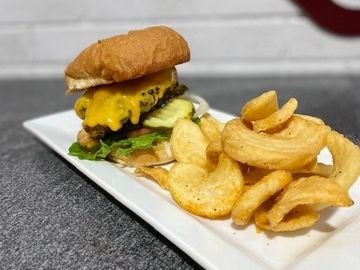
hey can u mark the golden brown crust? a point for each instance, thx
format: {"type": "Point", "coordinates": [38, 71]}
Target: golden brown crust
{"type": "Point", "coordinates": [160, 154]}
{"type": "Point", "coordinates": [126, 57]}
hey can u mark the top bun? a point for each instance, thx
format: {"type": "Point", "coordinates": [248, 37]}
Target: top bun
{"type": "Point", "coordinates": [126, 57]}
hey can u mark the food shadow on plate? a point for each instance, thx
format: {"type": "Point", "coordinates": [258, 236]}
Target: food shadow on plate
{"type": "Point", "coordinates": [321, 226]}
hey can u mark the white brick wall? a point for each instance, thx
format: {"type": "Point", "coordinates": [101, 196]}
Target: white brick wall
{"type": "Point", "coordinates": [231, 37]}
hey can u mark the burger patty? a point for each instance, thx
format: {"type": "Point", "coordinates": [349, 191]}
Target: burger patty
{"type": "Point", "coordinates": [148, 99]}
{"type": "Point", "coordinates": [115, 104]}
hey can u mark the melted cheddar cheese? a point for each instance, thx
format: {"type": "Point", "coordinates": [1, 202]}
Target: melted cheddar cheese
{"type": "Point", "coordinates": [112, 105]}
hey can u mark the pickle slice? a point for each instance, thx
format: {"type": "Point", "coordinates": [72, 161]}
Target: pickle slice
{"type": "Point", "coordinates": [166, 116]}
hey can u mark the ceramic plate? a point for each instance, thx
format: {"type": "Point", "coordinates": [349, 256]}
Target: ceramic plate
{"type": "Point", "coordinates": [333, 243]}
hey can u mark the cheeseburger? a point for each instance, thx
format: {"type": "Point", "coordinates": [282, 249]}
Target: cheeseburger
{"type": "Point", "coordinates": [131, 96]}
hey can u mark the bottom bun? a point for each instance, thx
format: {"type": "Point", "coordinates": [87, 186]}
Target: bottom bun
{"type": "Point", "coordinates": [159, 154]}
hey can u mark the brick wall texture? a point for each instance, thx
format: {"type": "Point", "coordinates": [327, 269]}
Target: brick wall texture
{"type": "Point", "coordinates": [230, 37]}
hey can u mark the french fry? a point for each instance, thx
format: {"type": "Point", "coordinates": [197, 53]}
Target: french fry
{"type": "Point", "coordinates": [159, 174]}
{"type": "Point", "coordinates": [206, 194]}
{"type": "Point", "coordinates": [258, 194]}
{"type": "Point", "coordinates": [260, 107]}
{"type": "Point", "coordinates": [188, 143]}
{"type": "Point", "coordinates": [298, 218]}
{"type": "Point", "coordinates": [295, 146]}
{"type": "Point", "coordinates": [211, 128]}
{"type": "Point", "coordinates": [308, 191]}
{"type": "Point", "coordinates": [277, 118]}
{"type": "Point", "coordinates": [346, 159]}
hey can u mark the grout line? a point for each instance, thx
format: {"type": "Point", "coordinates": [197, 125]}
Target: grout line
{"type": "Point", "coordinates": [209, 69]}
{"type": "Point", "coordinates": [179, 20]}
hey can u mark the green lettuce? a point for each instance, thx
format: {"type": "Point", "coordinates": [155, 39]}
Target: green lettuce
{"type": "Point", "coordinates": [196, 120]}
{"type": "Point", "coordinates": [123, 147]}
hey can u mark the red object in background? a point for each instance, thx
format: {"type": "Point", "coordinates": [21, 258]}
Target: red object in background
{"type": "Point", "coordinates": [332, 17]}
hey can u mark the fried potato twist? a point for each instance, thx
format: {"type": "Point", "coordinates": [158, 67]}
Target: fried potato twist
{"type": "Point", "coordinates": [260, 107]}
{"type": "Point", "coordinates": [307, 191]}
{"type": "Point", "coordinates": [295, 146]}
{"type": "Point", "coordinates": [278, 118]}
{"type": "Point", "coordinates": [188, 143]}
{"type": "Point", "coordinates": [298, 218]}
{"type": "Point", "coordinates": [206, 194]}
{"type": "Point", "coordinates": [257, 194]}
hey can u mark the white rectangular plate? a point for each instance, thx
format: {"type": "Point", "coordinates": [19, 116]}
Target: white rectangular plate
{"type": "Point", "coordinates": [215, 244]}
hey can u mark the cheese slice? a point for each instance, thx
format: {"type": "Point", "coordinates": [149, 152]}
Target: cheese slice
{"type": "Point", "coordinates": [112, 105]}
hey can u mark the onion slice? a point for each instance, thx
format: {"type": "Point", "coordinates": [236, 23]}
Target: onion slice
{"type": "Point", "coordinates": [202, 107]}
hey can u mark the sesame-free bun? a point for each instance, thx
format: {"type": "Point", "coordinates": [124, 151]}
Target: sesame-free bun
{"type": "Point", "coordinates": [126, 57]}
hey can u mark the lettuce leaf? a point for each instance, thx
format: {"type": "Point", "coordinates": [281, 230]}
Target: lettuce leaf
{"type": "Point", "coordinates": [196, 120]}
{"type": "Point", "coordinates": [123, 147]}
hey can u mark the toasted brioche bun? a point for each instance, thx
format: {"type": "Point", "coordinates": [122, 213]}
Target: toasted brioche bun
{"type": "Point", "coordinates": [160, 154]}
{"type": "Point", "coordinates": [126, 57]}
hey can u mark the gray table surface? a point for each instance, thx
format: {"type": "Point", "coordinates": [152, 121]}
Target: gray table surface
{"type": "Point", "coordinates": [53, 217]}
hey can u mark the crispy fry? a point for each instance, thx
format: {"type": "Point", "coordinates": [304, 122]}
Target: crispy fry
{"type": "Point", "coordinates": [277, 118]}
{"type": "Point", "coordinates": [295, 146]}
{"type": "Point", "coordinates": [307, 168]}
{"type": "Point", "coordinates": [262, 165]}
{"type": "Point", "coordinates": [211, 127]}
{"type": "Point", "coordinates": [258, 194]}
{"type": "Point", "coordinates": [307, 191]}
{"type": "Point", "coordinates": [346, 159]}
{"type": "Point", "coordinates": [298, 218]}
{"type": "Point", "coordinates": [159, 174]}
{"type": "Point", "coordinates": [252, 175]}
{"type": "Point", "coordinates": [346, 163]}
{"type": "Point", "coordinates": [322, 170]}
{"type": "Point", "coordinates": [311, 118]}
{"type": "Point", "coordinates": [260, 107]}
{"type": "Point", "coordinates": [188, 143]}
{"type": "Point", "coordinates": [246, 188]}
{"type": "Point", "coordinates": [315, 169]}
{"type": "Point", "coordinates": [206, 194]}
{"type": "Point", "coordinates": [213, 151]}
